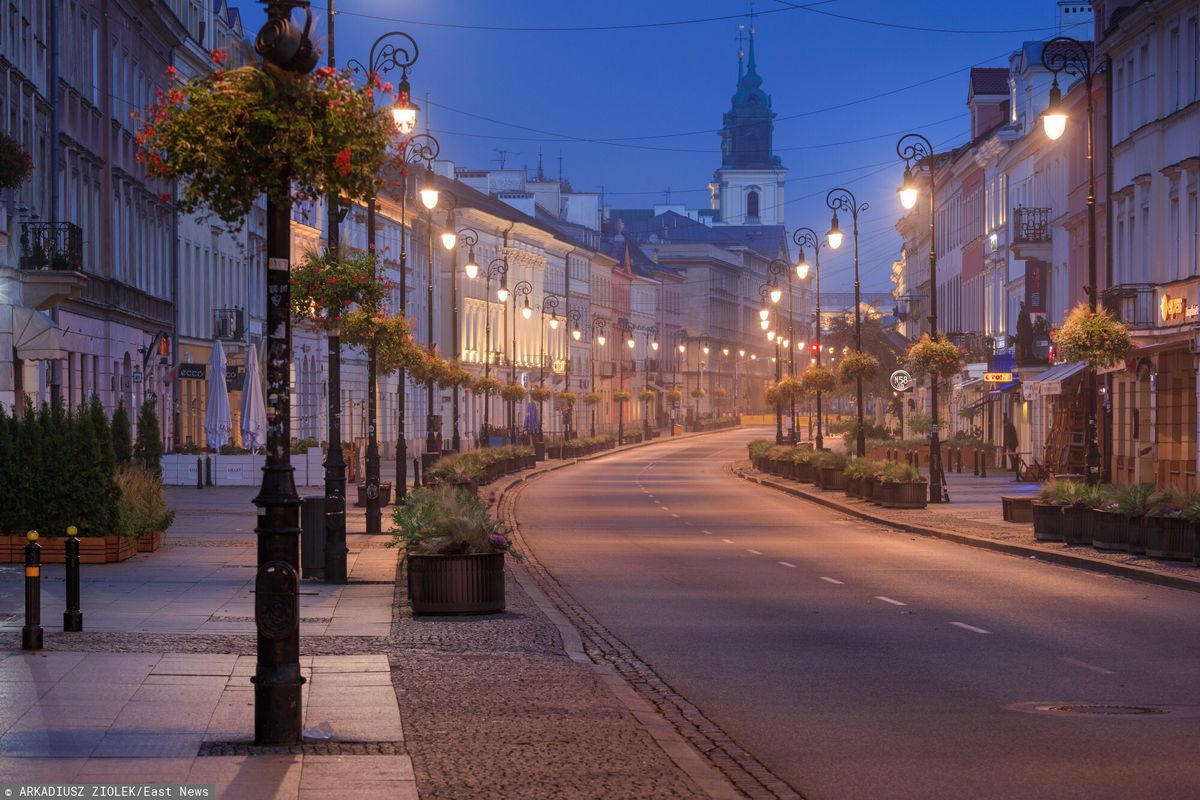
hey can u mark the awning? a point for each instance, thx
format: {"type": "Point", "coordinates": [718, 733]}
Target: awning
{"type": "Point", "coordinates": [655, 386]}
{"type": "Point", "coordinates": [36, 337]}
{"type": "Point", "coordinates": [1050, 382]}
{"type": "Point", "coordinates": [1011, 386]}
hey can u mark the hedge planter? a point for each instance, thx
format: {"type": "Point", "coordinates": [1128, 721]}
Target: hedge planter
{"type": "Point", "coordinates": [458, 584]}
{"type": "Point", "coordinates": [92, 549]}
{"type": "Point", "coordinates": [902, 494]}
{"type": "Point", "coordinates": [1047, 522]}
{"type": "Point", "coordinates": [1172, 538]}
{"type": "Point", "coordinates": [148, 544]}
{"type": "Point", "coordinates": [832, 478]}
{"type": "Point", "coordinates": [1075, 525]}
{"type": "Point", "coordinates": [1111, 530]}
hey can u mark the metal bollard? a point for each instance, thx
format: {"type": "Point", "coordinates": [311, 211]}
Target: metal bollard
{"type": "Point", "coordinates": [417, 472]}
{"type": "Point", "coordinates": [199, 472]}
{"type": "Point", "coordinates": [982, 464]}
{"type": "Point", "coordinates": [208, 471]}
{"type": "Point", "coordinates": [31, 634]}
{"type": "Point", "coordinates": [974, 462]}
{"type": "Point", "coordinates": [72, 617]}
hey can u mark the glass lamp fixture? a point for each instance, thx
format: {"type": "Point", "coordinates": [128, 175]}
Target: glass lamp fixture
{"type": "Point", "coordinates": [526, 311]}
{"type": "Point", "coordinates": [801, 267]}
{"type": "Point", "coordinates": [502, 294]}
{"type": "Point", "coordinates": [472, 269]}
{"type": "Point", "coordinates": [705, 348]}
{"type": "Point", "coordinates": [770, 336]}
{"type": "Point", "coordinates": [576, 334]}
{"type": "Point", "coordinates": [764, 312]}
{"type": "Point", "coordinates": [449, 239]}
{"type": "Point", "coordinates": [429, 197]}
{"type": "Point", "coordinates": [553, 322]}
{"type": "Point", "coordinates": [835, 235]}
{"type": "Point", "coordinates": [630, 342]}
{"type": "Point", "coordinates": [754, 356]}
{"type": "Point", "coordinates": [908, 190]}
{"type": "Point", "coordinates": [725, 350]}
{"type": "Point", "coordinates": [404, 113]}
{"type": "Point", "coordinates": [742, 353]}
{"type": "Point", "coordinates": [682, 347]}
{"type": "Point", "coordinates": [654, 345]}
{"type": "Point", "coordinates": [776, 294]}
{"type": "Point", "coordinates": [600, 340]}
{"type": "Point", "coordinates": [764, 323]}
{"type": "Point", "coordinates": [1054, 121]}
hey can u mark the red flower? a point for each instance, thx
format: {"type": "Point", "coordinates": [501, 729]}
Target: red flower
{"type": "Point", "coordinates": [219, 56]}
{"type": "Point", "coordinates": [164, 197]}
{"type": "Point", "coordinates": [342, 162]}
{"type": "Point", "coordinates": [171, 71]}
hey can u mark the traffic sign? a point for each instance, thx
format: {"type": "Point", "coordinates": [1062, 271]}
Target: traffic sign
{"type": "Point", "coordinates": [901, 380]}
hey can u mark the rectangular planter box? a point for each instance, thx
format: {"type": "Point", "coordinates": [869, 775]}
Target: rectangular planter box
{"type": "Point", "coordinates": [148, 544]}
{"type": "Point", "coordinates": [852, 487]}
{"type": "Point", "coordinates": [1047, 522]}
{"type": "Point", "coordinates": [832, 478]}
{"type": "Point", "coordinates": [1171, 538]}
{"type": "Point", "coordinates": [92, 549]}
{"type": "Point", "coordinates": [456, 584]}
{"type": "Point", "coordinates": [906, 494]}
{"type": "Point", "coordinates": [1110, 531]}
{"type": "Point", "coordinates": [1076, 527]}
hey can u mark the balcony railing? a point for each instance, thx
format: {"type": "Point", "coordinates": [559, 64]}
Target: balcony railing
{"type": "Point", "coordinates": [1031, 225]}
{"type": "Point", "coordinates": [51, 246]}
{"type": "Point", "coordinates": [1132, 303]}
{"type": "Point", "coordinates": [229, 323]}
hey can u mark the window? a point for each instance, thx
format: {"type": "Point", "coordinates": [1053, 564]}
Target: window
{"type": "Point", "coordinates": [1173, 234]}
{"type": "Point", "coordinates": [752, 204]}
{"type": "Point", "coordinates": [1194, 57]}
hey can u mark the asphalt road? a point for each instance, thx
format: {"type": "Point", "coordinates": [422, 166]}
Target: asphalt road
{"type": "Point", "coordinates": [856, 662]}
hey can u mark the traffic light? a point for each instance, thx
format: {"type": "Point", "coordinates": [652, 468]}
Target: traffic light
{"type": "Point", "coordinates": [814, 348]}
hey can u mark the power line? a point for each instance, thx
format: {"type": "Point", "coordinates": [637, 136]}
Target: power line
{"type": "Point", "coordinates": [919, 28]}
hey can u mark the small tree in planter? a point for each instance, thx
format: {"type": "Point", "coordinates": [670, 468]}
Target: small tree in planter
{"type": "Point", "coordinates": [15, 164]}
{"type": "Point", "coordinates": [818, 378]}
{"type": "Point", "coordinates": [857, 365]}
{"type": "Point", "coordinates": [1092, 336]}
{"type": "Point", "coordinates": [122, 435]}
{"type": "Point", "coordinates": [148, 449]}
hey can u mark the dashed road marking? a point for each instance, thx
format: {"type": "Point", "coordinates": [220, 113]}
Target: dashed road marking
{"type": "Point", "coordinates": [710, 533]}
{"type": "Point", "coordinates": [889, 600]}
{"type": "Point", "coordinates": [756, 552]}
{"type": "Point", "coordinates": [970, 628]}
{"type": "Point", "coordinates": [676, 516]}
{"type": "Point", "coordinates": [833, 580]}
{"type": "Point", "coordinates": [786, 564]}
{"type": "Point", "coordinates": [1076, 662]}
{"type": "Point", "coordinates": [727, 541]}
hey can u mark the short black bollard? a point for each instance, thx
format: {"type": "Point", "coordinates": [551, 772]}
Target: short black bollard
{"type": "Point", "coordinates": [975, 462]}
{"type": "Point", "coordinates": [31, 634]}
{"type": "Point", "coordinates": [199, 472]}
{"type": "Point", "coordinates": [982, 464]}
{"type": "Point", "coordinates": [417, 472]}
{"type": "Point", "coordinates": [208, 471]}
{"type": "Point", "coordinates": [72, 617]}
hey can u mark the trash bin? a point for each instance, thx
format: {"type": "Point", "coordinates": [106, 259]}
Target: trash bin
{"type": "Point", "coordinates": [312, 537]}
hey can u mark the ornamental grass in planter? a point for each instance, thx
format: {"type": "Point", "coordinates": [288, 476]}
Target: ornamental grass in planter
{"type": "Point", "coordinates": [1170, 531]}
{"type": "Point", "coordinates": [757, 451]}
{"type": "Point", "coordinates": [901, 486]}
{"type": "Point", "coordinates": [1125, 511]}
{"type": "Point", "coordinates": [858, 472]}
{"type": "Point", "coordinates": [1077, 515]}
{"type": "Point", "coordinates": [829, 469]}
{"type": "Point", "coordinates": [454, 552]}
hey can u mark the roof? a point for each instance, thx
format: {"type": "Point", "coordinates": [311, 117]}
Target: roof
{"type": "Point", "coordinates": [989, 80]}
{"type": "Point", "coordinates": [672, 227]}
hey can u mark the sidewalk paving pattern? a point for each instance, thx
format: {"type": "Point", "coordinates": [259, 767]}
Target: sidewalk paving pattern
{"type": "Point", "coordinates": [157, 688]}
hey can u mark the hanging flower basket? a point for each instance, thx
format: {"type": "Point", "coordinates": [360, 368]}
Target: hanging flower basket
{"type": "Point", "coordinates": [646, 395]}
{"type": "Point", "coordinates": [787, 389]}
{"type": "Point", "coordinates": [326, 286]}
{"type": "Point", "coordinates": [15, 163]}
{"type": "Point", "coordinates": [513, 392]}
{"type": "Point", "coordinates": [941, 358]}
{"type": "Point", "coordinates": [592, 398]}
{"type": "Point", "coordinates": [818, 379]}
{"type": "Point", "coordinates": [540, 394]}
{"type": "Point", "coordinates": [568, 398]}
{"type": "Point", "coordinates": [390, 334]}
{"type": "Point", "coordinates": [230, 135]}
{"type": "Point", "coordinates": [699, 392]}
{"type": "Point", "coordinates": [1092, 336]}
{"type": "Point", "coordinates": [485, 386]}
{"type": "Point", "coordinates": [453, 376]}
{"type": "Point", "coordinates": [674, 395]}
{"type": "Point", "coordinates": [720, 392]}
{"type": "Point", "coordinates": [857, 365]}
{"type": "Point", "coordinates": [622, 396]}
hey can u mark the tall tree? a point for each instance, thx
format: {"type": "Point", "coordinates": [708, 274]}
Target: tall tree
{"type": "Point", "coordinates": [147, 451]}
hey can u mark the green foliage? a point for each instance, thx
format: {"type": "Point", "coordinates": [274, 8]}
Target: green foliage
{"type": "Point", "coordinates": [899, 472]}
{"type": "Point", "coordinates": [942, 358]}
{"type": "Point", "coordinates": [148, 449]}
{"type": "Point", "coordinates": [1133, 499]}
{"type": "Point", "coordinates": [1057, 492]}
{"type": "Point", "coordinates": [575, 446]}
{"type": "Point", "coordinates": [862, 468]}
{"type": "Point", "coordinates": [447, 520]}
{"type": "Point", "coordinates": [326, 285]}
{"type": "Point", "coordinates": [758, 448]}
{"type": "Point", "coordinates": [832, 460]}
{"type": "Point", "coordinates": [621, 396]}
{"type": "Point", "coordinates": [16, 165]}
{"type": "Point", "coordinates": [871, 431]}
{"type": "Point", "coordinates": [122, 436]}
{"type": "Point", "coordinates": [857, 365]}
{"type": "Point", "coordinates": [918, 423]}
{"type": "Point", "coordinates": [1096, 337]}
{"type": "Point", "coordinates": [142, 510]}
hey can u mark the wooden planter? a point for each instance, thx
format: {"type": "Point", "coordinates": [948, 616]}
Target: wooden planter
{"type": "Point", "coordinates": [1171, 538]}
{"type": "Point", "coordinates": [902, 494]}
{"type": "Point", "coordinates": [1047, 522]}
{"type": "Point", "coordinates": [92, 549]}
{"type": "Point", "coordinates": [870, 488]}
{"type": "Point", "coordinates": [148, 544]}
{"type": "Point", "coordinates": [804, 471]}
{"type": "Point", "coordinates": [832, 478]}
{"type": "Point", "coordinates": [853, 487]}
{"type": "Point", "coordinates": [462, 584]}
{"type": "Point", "coordinates": [1110, 531]}
{"type": "Point", "coordinates": [1075, 525]}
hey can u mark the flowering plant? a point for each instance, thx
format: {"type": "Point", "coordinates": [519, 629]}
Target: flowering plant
{"type": "Point", "coordinates": [485, 385]}
{"type": "Point", "coordinates": [15, 163]}
{"type": "Point", "coordinates": [567, 397]}
{"type": "Point", "coordinates": [234, 133]}
{"type": "Point", "coordinates": [1092, 336]}
{"type": "Point", "coordinates": [448, 520]}
{"type": "Point", "coordinates": [857, 365]}
{"type": "Point", "coordinates": [540, 393]}
{"type": "Point", "coordinates": [720, 391]}
{"type": "Point", "coordinates": [621, 396]}
{"type": "Point", "coordinates": [674, 395]}
{"type": "Point", "coordinates": [513, 392]}
{"type": "Point", "coordinates": [592, 398]}
{"type": "Point", "coordinates": [787, 389]}
{"type": "Point", "coordinates": [389, 333]}
{"type": "Point", "coordinates": [817, 378]}
{"type": "Point", "coordinates": [942, 358]}
{"type": "Point", "coordinates": [699, 392]}
{"type": "Point", "coordinates": [325, 286]}
{"type": "Point", "coordinates": [646, 395]}
{"type": "Point", "coordinates": [453, 375]}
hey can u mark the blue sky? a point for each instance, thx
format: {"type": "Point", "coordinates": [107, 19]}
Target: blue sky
{"type": "Point", "coordinates": [849, 87]}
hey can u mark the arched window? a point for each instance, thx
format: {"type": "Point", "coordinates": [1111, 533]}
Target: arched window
{"type": "Point", "coordinates": [751, 204]}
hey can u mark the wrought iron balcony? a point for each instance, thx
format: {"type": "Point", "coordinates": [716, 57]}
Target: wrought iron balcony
{"type": "Point", "coordinates": [51, 246]}
{"type": "Point", "coordinates": [1031, 225]}
{"type": "Point", "coordinates": [1132, 303]}
{"type": "Point", "coordinates": [229, 324]}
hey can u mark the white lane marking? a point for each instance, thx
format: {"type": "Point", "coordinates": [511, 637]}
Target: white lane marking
{"type": "Point", "coordinates": [757, 553]}
{"type": "Point", "coordinates": [1076, 662]}
{"type": "Point", "coordinates": [676, 516]}
{"type": "Point", "coordinates": [727, 541]}
{"type": "Point", "coordinates": [659, 502]}
{"type": "Point", "coordinates": [786, 564]}
{"type": "Point", "coordinates": [685, 522]}
{"type": "Point", "coordinates": [970, 628]}
{"type": "Point", "coordinates": [889, 600]}
{"type": "Point", "coordinates": [833, 580]}
{"type": "Point", "coordinates": [710, 533]}
{"type": "Point", "coordinates": [649, 495]}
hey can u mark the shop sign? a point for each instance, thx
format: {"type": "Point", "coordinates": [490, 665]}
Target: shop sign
{"type": "Point", "coordinates": [193, 372]}
{"type": "Point", "coordinates": [997, 377]}
{"type": "Point", "coordinates": [1177, 309]}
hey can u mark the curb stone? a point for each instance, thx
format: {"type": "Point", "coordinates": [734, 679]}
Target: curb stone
{"type": "Point", "coordinates": [1023, 551]}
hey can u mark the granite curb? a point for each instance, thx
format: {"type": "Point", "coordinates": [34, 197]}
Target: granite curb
{"type": "Point", "coordinates": [1024, 551]}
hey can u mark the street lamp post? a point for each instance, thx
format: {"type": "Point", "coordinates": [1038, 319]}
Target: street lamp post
{"type": "Point", "coordinates": [779, 267]}
{"type": "Point", "coordinates": [681, 347]}
{"type": "Point", "coordinates": [844, 200]}
{"type": "Point", "coordinates": [573, 314]}
{"type": "Point", "coordinates": [646, 412]}
{"type": "Point", "coordinates": [914, 148]}
{"type": "Point", "coordinates": [451, 240]}
{"type": "Point", "coordinates": [598, 338]}
{"type": "Point", "coordinates": [625, 331]}
{"type": "Point", "coordinates": [549, 303]}
{"type": "Point", "coordinates": [523, 289]}
{"type": "Point", "coordinates": [1063, 54]}
{"type": "Point", "coordinates": [764, 292]}
{"type": "Point", "coordinates": [497, 268]}
{"type": "Point", "coordinates": [429, 199]}
{"type": "Point", "coordinates": [807, 237]}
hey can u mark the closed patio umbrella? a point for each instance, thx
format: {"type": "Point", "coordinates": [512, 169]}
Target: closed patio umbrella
{"type": "Point", "coordinates": [217, 422]}
{"type": "Point", "coordinates": [254, 408]}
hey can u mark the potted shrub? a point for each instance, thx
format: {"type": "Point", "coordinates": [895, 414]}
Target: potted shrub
{"type": "Point", "coordinates": [757, 450]}
{"type": "Point", "coordinates": [802, 463]}
{"type": "Point", "coordinates": [856, 472]}
{"type": "Point", "coordinates": [901, 486]}
{"type": "Point", "coordinates": [829, 467]}
{"type": "Point", "coordinates": [1124, 511]}
{"type": "Point", "coordinates": [1077, 514]}
{"type": "Point", "coordinates": [454, 552]}
{"type": "Point", "coordinates": [142, 513]}
{"type": "Point", "coordinates": [1169, 533]}
{"type": "Point", "coordinates": [1047, 510]}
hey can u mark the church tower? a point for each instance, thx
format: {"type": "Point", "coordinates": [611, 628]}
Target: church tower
{"type": "Point", "coordinates": [748, 188]}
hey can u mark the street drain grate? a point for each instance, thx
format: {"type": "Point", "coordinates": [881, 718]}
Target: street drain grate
{"type": "Point", "coordinates": [308, 748]}
{"type": "Point", "coordinates": [1103, 710]}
